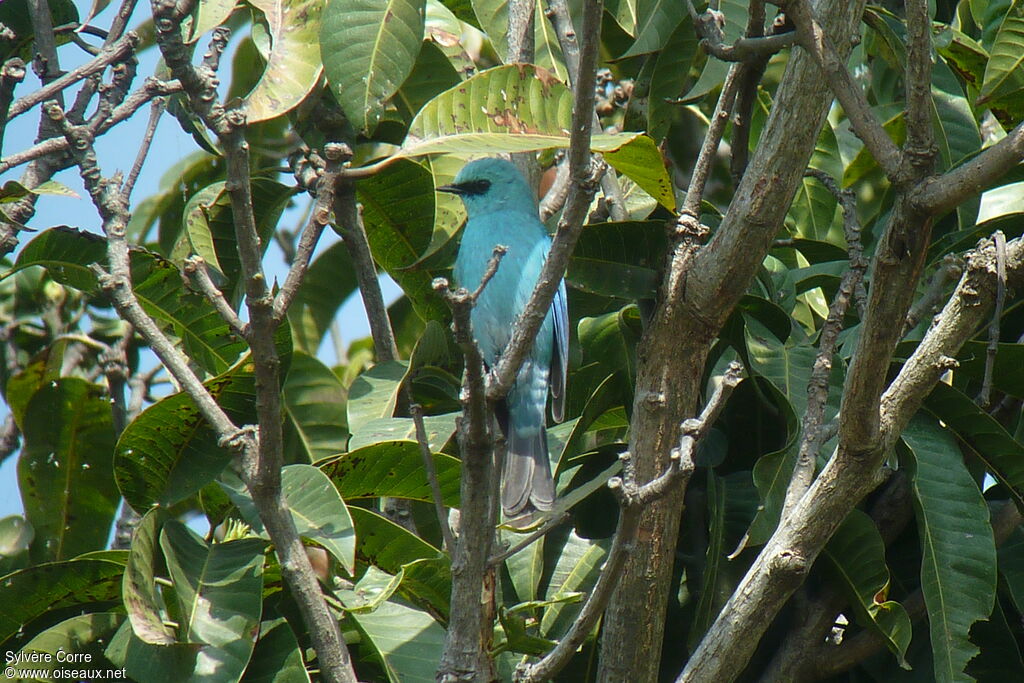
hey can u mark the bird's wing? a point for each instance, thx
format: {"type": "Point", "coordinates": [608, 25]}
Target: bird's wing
{"type": "Point", "coordinates": [560, 353]}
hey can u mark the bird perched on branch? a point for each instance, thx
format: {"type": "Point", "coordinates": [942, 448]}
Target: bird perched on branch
{"type": "Point", "coordinates": [502, 210]}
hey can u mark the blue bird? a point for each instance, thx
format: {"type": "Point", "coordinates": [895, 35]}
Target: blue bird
{"type": "Point", "coordinates": [502, 209]}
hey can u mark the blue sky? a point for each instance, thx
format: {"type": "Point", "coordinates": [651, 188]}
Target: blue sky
{"type": "Point", "coordinates": [117, 152]}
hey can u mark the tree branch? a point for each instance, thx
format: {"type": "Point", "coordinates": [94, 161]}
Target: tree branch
{"type": "Point", "coordinates": [262, 461]}
{"type": "Point", "coordinates": [985, 397]}
{"type": "Point", "coordinates": [558, 14]}
{"type": "Point", "coordinates": [197, 273]}
{"type": "Point", "coordinates": [110, 54]}
{"type": "Point", "coordinates": [435, 487]}
{"type": "Point", "coordinates": [466, 653]}
{"type": "Point", "coordinates": [11, 74]}
{"type": "Point", "coordinates": [633, 497]}
{"type": "Point", "coordinates": [319, 217]}
{"type": "Point", "coordinates": [818, 384]}
{"type": "Point", "coordinates": [940, 195]}
{"type": "Point", "coordinates": [920, 145]}
{"type": "Point", "coordinates": [813, 38]}
{"type": "Point", "coordinates": [350, 222]}
{"type": "Point", "coordinates": [52, 146]}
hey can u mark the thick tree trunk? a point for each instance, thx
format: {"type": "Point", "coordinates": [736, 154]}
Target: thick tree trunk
{"type": "Point", "coordinates": [701, 288]}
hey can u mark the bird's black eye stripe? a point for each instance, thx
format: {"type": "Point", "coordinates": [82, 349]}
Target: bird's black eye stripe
{"type": "Point", "coordinates": [475, 186]}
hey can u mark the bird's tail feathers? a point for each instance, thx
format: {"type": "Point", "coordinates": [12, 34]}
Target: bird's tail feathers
{"type": "Point", "coordinates": [527, 483]}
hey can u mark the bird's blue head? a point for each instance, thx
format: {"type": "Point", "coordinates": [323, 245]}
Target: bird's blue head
{"type": "Point", "coordinates": [492, 184]}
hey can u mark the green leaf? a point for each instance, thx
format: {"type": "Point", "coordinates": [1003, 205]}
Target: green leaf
{"type": "Point", "coordinates": [316, 508]}
{"type": "Point", "coordinates": [432, 74]}
{"type": "Point", "coordinates": [72, 641]}
{"type": "Point", "coordinates": [641, 161]}
{"type": "Point", "coordinates": [384, 544]}
{"type": "Point", "coordinates": [392, 469]}
{"type": "Point", "coordinates": [710, 601]}
{"type": "Point", "coordinates": [209, 229]}
{"type": "Point", "coordinates": [620, 260]}
{"type": "Point", "coordinates": [578, 565]}
{"type": "Point", "coordinates": [44, 368]}
{"type": "Point", "coordinates": [314, 401]}
{"type": "Point", "coordinates": [206, 16]}
{"type": "Point", "coordinates": [140, 594]}
{"type": "Point", "coordinates": [492, 17]}
{"type": "Point", "coordinates": [374, 393]}
{"type": "Point", "coordinates": [158, 663]}
{"type": "Point", "coordinates": [368, 48]}
{"type": "Point", "coordinates": [65, 471]}
{"type": "Point", "coordinates": [656, 20]}
{"type": "Point", "coordinates": [66, 253]}
{"type": "Point", "coordinates": [29, 593]}
{"type": "Point", "coordinates": [515, 108]}
{"type": "Point", "coordinates": [408, 642]}
{"type": "Point", "coordinates": [219, 590]}
{"type": "Point", "coordinates": [439, 429]}
{"type": "Point", "coordinates": [1003, 456]}
{"type": "Point", "coordinates": [813, 211]}
{"type": "Point", "coordinates": [1011, 566]}
{"type": "Point", "coordinates": [328, 283]}
{"type": "Point", "coordinates": [399, 220]}
{"type": "Point", "coordinates": [547, 50]}
{"type": "Point", "coordinates": [371, 591]}
{"type": "Point", "coordinates": [276, 657]}
{"type": "Point", "coordinates": [671, 74]}
{"type": "Point", "coordinates": [169, 452]}
{"type": "Point", "coordinates": [526, 567]}
{"type": "Point", "coordinates": [958, 567]}
{"type": "Point", "coordinates": [611, 340]}
{"type": "Point", "coordinates": [856, 561]}
{"type": "Point", "coordinates": [294, 66]}
{"type": "Point", "coordinates": [1004, 74]}
{"type": "Point", "coordinates": [187, 316]}
{"type": "Point", "coordinates": [964, 55]}
{"type": "Point", "coordinates": [1007, 371]}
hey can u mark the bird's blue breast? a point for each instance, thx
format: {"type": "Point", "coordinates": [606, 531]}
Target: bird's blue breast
{"type": "Point", "coordinates": [506, 295]}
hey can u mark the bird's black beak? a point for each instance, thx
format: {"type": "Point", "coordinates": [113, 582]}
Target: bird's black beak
{"type": "Point", "coordinates": [451, 189]}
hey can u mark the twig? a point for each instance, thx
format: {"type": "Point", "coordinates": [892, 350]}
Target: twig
{"type": "Point", "coordinates": [817, 393]}
{"type": "Point", "coordinates": [45, 63]}
{"type": "Point", "coordinates": [713, 137]}
{"type": "Point", "coordinates": [197, 273]}
{"type": "Point", "coordinates": [532, 537]}
{"type": "Point", "coordinates": [353, 234]}
{"type": "Point", "coordinates": [11, 74]}
{"type": "Point", "coordinates": [934, 294]}
{"type": "Point", "coordinates": [319, 216]}
{"type": "Point", "coordinates": [985, 398]}
{"type": "Point", "coordinates": [865, 126]}
{"type": "Point", "coordinates": [571, 224]}
{"type": "Point", "coordinates": [153, 88]}
{"type": "Point", "coordinates": [555, 198]}
{"type": "Point", "coordinates": [633, 499]}
{"type": "Point", "coordinates": [558, 14]}
{"type": "Point", "coordinates": [428, 466]}
{"type": "Point", "coordinates": [157, 109]}
{"type": "Point", "coordinates": [812, 432]}
{"type": "Point", "coordinates": [750, 49]}
{"type": "Point", "coordinates": [116, 52]}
